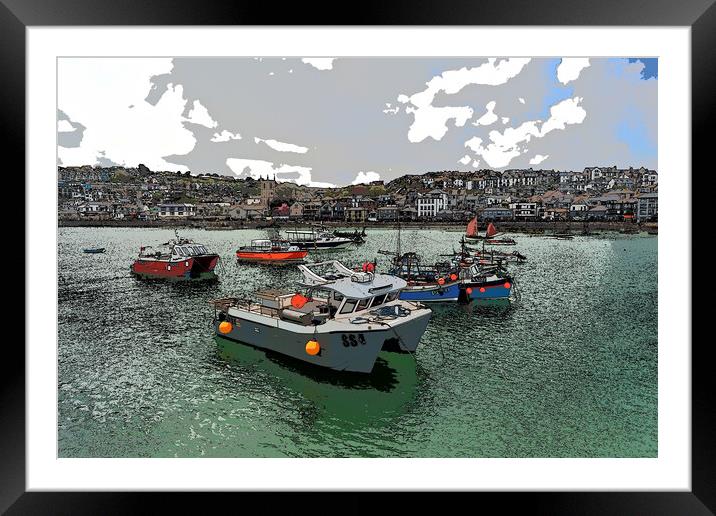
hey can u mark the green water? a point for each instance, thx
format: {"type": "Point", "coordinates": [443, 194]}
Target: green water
{"type": "Point", "coordinates": [568, 370]}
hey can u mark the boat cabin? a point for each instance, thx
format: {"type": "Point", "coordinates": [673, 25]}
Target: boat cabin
{"type": "Point", "coordinates": [344, 293]}
{"type": "Point", "coordinates": [174, 251]}
{"type": "Point", "coordinates": [268, 245]}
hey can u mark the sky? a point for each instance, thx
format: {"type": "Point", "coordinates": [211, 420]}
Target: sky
{"type": "Point", "coordinates": [339, 121]}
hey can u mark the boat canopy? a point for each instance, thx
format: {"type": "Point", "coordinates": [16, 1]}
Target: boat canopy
{"type": "Point", "coordinates": [350, 283]}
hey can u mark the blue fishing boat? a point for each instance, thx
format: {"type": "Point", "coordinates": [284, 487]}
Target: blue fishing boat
{"type": "Point", "coordinates": [426, 283]}
{"type": "Point", "coordinates": [453, 281]}
{"type": "Point", "coordinates": [94, 250]}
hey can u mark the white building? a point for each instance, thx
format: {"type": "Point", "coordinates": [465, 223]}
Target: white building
{"type": "Point", "coordinates": [176, 210]}
{"type": "Point", "coordinates": [432, 203]}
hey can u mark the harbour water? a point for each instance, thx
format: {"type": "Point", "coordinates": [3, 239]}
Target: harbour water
{"type": "Point", "coordinates": [567, 369]}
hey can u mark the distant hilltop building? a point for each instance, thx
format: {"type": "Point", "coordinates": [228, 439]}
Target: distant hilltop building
{"type": "Point", "coordinates": [267, 188]}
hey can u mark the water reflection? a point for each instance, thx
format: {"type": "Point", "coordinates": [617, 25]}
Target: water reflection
{"type": "Point", "coordinates": [348, 397]}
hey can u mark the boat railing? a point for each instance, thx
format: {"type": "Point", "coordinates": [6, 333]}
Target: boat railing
{"type": "Point", "coordinates": [248, 305]}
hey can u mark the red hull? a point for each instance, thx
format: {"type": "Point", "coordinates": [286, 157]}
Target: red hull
{"type": "Point", "coordinates": [271, 256]}
{"type": "Point", "coordinates": [188, 268]}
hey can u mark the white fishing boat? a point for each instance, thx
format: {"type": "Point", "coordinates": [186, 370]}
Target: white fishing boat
{"type": "Point", "coordinates": [316, 240]}
{"type": "Point", "coordinates": [342, 321]}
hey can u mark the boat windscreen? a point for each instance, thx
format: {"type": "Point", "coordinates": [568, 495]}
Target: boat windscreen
{"type": "Point", "coordinates": [348, 306]}
{"type": "Point", "coordinates": [378, 300]}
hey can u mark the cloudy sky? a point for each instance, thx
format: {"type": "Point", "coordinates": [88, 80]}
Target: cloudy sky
{"type": "Point", "coordinates": [325, 121]}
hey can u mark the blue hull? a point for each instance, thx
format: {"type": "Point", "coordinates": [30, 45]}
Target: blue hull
{"type": "Point", "coordinates": [495, 292]}
{"type": "Point", "coordinates": [435, 294]}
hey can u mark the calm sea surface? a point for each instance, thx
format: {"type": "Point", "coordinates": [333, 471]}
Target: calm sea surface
{"type": "Point", "coordinates": [567, 370]}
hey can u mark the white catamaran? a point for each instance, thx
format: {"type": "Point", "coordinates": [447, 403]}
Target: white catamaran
{"type": "Point", "coordinates": [345, 319]}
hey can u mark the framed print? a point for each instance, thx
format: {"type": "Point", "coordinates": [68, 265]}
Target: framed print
{"type": "Point", "coordinates": [417, 253]}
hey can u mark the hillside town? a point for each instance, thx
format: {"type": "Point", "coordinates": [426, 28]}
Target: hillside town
{"type": "Point", "coordinates": [139, 194]}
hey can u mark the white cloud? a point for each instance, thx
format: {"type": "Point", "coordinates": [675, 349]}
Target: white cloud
{"type": "Point", "coordinates": [64, 126]}
{"type": "Point", "coordinates": [570, 68]}
{"type": "Point", "coordinates": [476, 163]}
{"type": "Point", "coordinates": [282, 146]}
{"type": "Point", "coordinates": [403, 98]}
{"type": "Point", "coordinates": [225, 136]}
{"type": "Point", "coordinates": [505, 119]}
{"type": "Point", "coordinates": [257, 168]}
{"type": "Point", "coordinates": [465, 159]}
{"type": "Point", "coordinates": [366, 177]}
{"type": "Point", "coordinates": [539, 158]}
{"type": "Point", "coordinates": [320, 63]}
{"type": "Point", "coordinates": [522, 101]}
{"type": "Point", "coordinates": [391, 111]}
{"type": "Point", "coordinates": [200, 115]}
{"type": "Point", "coordinates": [506, 146]}
{"type": "Point", "coordinates": [430, 121]}
{"type": "Point", "coordinates": [96, 92]}
{"type": "Point", "coordinates": [489, 117]}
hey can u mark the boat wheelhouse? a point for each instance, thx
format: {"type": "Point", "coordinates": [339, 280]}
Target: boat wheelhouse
{"type": "Point", "coordinates": [344, 319]}
{"type": "Point", "coordinates": [271, 251]}
{"type": "Point", "coordinates": [179, 259]}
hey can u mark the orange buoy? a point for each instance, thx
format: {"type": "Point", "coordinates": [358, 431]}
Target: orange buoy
{"type": "Point", "coordinates": [313, 347]}
{"type": "Point", "coordinates": [482, 289]}
{"type": "Point", "coordinates": [441, 281]}
{"type": "Point", "coordinates": [507, 284]}
{"type": "Point", "coordinates": [469, 290]}
{"type": "Point", "coordinates": [453, 277]}
{"type": "Point", "coordinates": [297, 301]}
{"type": "Point", "coordinates": [225, 327]}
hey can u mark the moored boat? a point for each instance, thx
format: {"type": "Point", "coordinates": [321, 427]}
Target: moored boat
{"type": "Point", "coordinates": [94, 250]}
{"type": "Point", "coordinates": [271, 251]}
{"type": "Point", "coordinates": [355, 236]}
{"type": "Point", "coordinates": [314, 240]}
{"type": "Point", "coordinates": [500, 241]}
{"type": "Point", "coordinates": [178, 259]}
{"type": "Point", "coordinates": [342, 322]}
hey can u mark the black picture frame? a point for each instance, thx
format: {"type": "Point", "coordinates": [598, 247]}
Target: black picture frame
{"type": "Point", "coordinates": [700, 15]}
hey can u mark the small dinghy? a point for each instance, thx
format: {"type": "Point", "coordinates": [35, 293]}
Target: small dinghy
{"type": "Point", "coordinates": [94, 250]}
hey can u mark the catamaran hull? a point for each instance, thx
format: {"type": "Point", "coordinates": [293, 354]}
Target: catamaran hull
{"type": "Point", "coordinates": [354, 351]}
{"type": "Point", "coordinates": [431, 294]}
{"type": "Point", "coordinates": [195, 268]}
{"type": "Point", "coordinates": [358, 356]}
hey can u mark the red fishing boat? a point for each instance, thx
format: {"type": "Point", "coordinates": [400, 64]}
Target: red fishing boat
{"type": "Point", "coordinates": [272, 251]}
{"type": "Point", "coordinates": [179, 259]}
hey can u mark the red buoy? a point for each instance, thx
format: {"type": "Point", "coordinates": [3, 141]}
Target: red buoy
{"type": "Point", "coordinates": [453, 277]}
{"type": "Point", "coordinates": [371, 267]}
{"type": "Point", "coordinates": [482, 289]}
{"type": "Point", "coordinates": [441, 281]}
{"type": "Point", "coordinates": [507, 284]}
{"type": "Point", "coordinates": [297, 301]}
{"type": "Point", "coordinates": [469, 290]}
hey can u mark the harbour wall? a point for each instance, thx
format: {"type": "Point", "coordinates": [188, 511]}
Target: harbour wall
{"type": "Point", "coordinates": [504, 226]}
